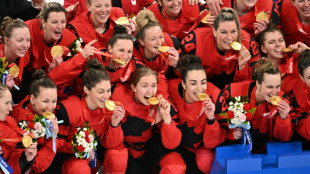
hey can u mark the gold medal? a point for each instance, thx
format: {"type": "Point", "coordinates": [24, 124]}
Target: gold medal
{"type": "Point", "coordinates": [110, 105]}
{"type": "Point", "coordinates": [122, 21]}
{"type": "Point", "coordinates": [163, 49]}
{"type": "Point", "coordinates": [49, 115]}
{"type": "Point", "coordinates": [235, 46]}
{"type": "Point", "coordinates": [274, 100]}
{"type": "Point", "coordinates": [286, 50]}
{"type": "Point", "coordinates": [14, 70]}
{"type": "Point", "coordinates": [153, 100]}
{"type": "Point", "coordinates": [27, 141]}
{"type": "Point", "coordinates": [202, 96]}
{"type": "Point", "coordinates": [119, 61]}
{"type": "Point", "coordinates": [261, 16]}
{"type": "Point", "coordinates": [204, 20]}
{"type": "Point", "coordinates": [57, 51]}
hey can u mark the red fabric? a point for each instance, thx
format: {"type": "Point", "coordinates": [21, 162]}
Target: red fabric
{"type": "Point", "coordinates": [115, 160]}
{"type": "Point", "coordinates": [201, 42]}
{"type": "Point", "coordinates": [83, 25]}
{"type": "Point", "coordinates": [172, 163]}
{"type": "Point", "coordinates": [289, 72]}
{"type": "Point", "coordinates": [266, 118]}
{"type": "Point", "coordinates": [204, 159]}
{"type": "Point", "coordinates": [193, 115]}
{"type": "Point", "coordinates": [181, 25]}
{"type": "Point", "coordinates": [298, 31]}
{"type": "Point", "coordinates": [10, 154]}
{"type": "Point", "coordinates": [76, 166]}
{"type": "Point", "coordinates": [140, 116]}
{"type": "Point", "coordinates": [300, 97]}
{"type": "Point", "coordinates": [45, 153]}
{"type": "Point", "coordinates": [130, 8]}
{"type": "Point", "coordinates": [39, 54]}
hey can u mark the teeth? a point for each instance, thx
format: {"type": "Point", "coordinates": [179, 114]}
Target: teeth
{"type": "Point", "coordinates": [227, 42]}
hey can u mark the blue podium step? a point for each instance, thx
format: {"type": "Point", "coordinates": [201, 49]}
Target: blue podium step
{"type": "Point", "coordinates": [284, 158]}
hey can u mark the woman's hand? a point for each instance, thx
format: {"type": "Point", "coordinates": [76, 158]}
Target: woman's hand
{"type": "Point", "coordinates": [244, 57]}
{"type": "Point", "coordinates": [55, 62]}
{"type": "Point", "coordinates": [31, 151]}
{"type": "Point", "coordinates": [260, 26]}
{"type": "Point", "coordinates": [298, 47]}
{"type": "Point", "coordinates": [284, 109]}
{"type": "Point", "coordinates": [131, 27]}
{"type": "Point", "coordinates": [117, 116]}
{"type": "Point", "coordinates": [55, 126]}
{"type": "Point", "coordinates": [237, 133]}
{"type": "Point", "coordinates": [9, 81]}
{"type": "Point", "coordinates": [173, 56]}
{"type": "Point", "coordinates": [89, 49]}
{"type": "Point", "coordinates": [214, 6]}
{"type": "Point", "coordinates": [209, 109]}
{"type": "Point", "coordinates": [71, 11]}
{"type": "Point", "coordinates": [164, 110]}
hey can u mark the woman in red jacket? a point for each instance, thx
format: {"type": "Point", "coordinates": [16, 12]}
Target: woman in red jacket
{"type": "Point", "coordinates": [269, 121]}
{"type": "Point", "coordinates": [298, 15]}
{"type": "Point", "coordinates": [273, 47]}
{"type": "Point", "coordinates": [42, 98]}
{"type": "Point", "coordinates": [201, 132]}
{"type": "Point", "coordinates": [98, 22]}
{"type": "Point", "coordinates": [223, 64]}
{"type": "Point", "coordinates": [14, 45]}
{"type": "Point", "coordinates": [176, 16]}
{"type": "Point", "coordinates": [120, 45]}
{"type": "Point", "coordinates": [75, 111]}
{"type": "Point", "coordinates": [132, 7]}
{"type": "Point", "coordinates": [300, 97]}
{"type": "Point", "coordinates": [20, 160]}
{"type": "Point", "coordinates": [143, 120]}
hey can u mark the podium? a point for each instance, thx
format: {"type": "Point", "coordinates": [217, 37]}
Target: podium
{"type": "Point", "coordinates": [284, 158]}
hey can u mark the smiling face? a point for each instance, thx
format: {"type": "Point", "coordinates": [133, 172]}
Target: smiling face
{"type": "Point", "coordinates": [19, 43]}
{"type": "Point", "coordinates": [172, 7]}
{"type": "Point", "coordinates": [270, 86]}
{"type": "Point", "coordinates": [122, 49]}
{"type": "Point", "coordinates": [54, 26]}
{"type": "Point", "coordinates": [195, 82]}
{"type": "Point", "coordinates": [273, 44]}
{"type": "Point", "coordinates": [5, 104]}
{"type": "Point", "coordinates": [145, 88]}
{"type": "Point", "coordinates": [100, 11]}
{"type": "Point", "coordinates": [96, 96]}
{"type": "Point", "coordinates": [303, 8]}
{"type": "Point", "coordinates": [306, 76]}
{"type": "Point", "coordinates": [153, 38]}
{"type": "Point", "coordinates": [45, 101]}
{"type": "Point", "coordinates": [226, 33]}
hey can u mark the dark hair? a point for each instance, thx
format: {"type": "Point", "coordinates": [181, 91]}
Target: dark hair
{"type": "Point", "coordinates": [145, 19]}
{"type": "Point", "coordinates": [189, 63]}
{"type": "Point", "coordinates": [94, 74]}
{"type": "Point", "coordinates": [228, 14]}
{"type": "Point", "coordinates": [264, 66]}
{"type": "Point", "coordinates": [270, 29]}
{"type": "Point", "coordinates": [119, 32]}
{"type": "Point", "coordinates": [50, 7]}
{"type": "Point", "coordinates": [40, 80]}
{"type": "Point", "coordinates": [3, 88]}
{"type": "Point", "coordinates": [139, 73]}
{"type": "Point", "coordinates": [8, 25]}
{"type": "Point", "coordinates": [303, 61]}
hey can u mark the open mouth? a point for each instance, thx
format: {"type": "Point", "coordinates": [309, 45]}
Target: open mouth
{"type": "Point", "coordinates": [227, 42]}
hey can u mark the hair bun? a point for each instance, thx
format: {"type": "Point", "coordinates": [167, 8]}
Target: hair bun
{"type": "Point", "coordinates": [118, 29]}
{"type": "Point", "coordinates": [38, 74]}
{"type": "Point", "coordinates": [94, 64]}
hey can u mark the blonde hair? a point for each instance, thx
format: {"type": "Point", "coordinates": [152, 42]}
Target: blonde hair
{"type": "Point", "coordinates": [50, 7]}
{"type": "Point", "coordinates": [228, 14]}
{"type": "Point", "coordinates": [145, 19]}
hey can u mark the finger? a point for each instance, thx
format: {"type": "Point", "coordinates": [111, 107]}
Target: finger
{"type": "Point", "coordinates": [218, 7]}
{"type": "Point", "coordinates": [91, 42]}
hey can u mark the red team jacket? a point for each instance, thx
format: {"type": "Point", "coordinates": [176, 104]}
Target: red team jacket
{"type": "Point", "coordinates": [193, 121]}
{"type": "Point", "coordinates": [221, 68]}
{"type": "Point", "coordinates": [82, 26]}
{"type": "Point", "coordinates": [294, 30]}
{"type": "Point", "coordinates": [181, 25]}
{"type": "Point", "coordinates": [300, 97]}
{"type": "Point", "coordinates": [14, 157]}
{"type": "Point", "coordinates": [45, 153]}
{"type": "Point", "coordinates": [134, 6]}
{"type": "Point", "coordinates": [137, 127]}
{"type": "Point", "coordinates": [266, 123]}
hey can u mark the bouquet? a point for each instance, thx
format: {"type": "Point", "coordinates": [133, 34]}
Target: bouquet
{"type": "Point", "coordinates": [76, 46]}
{"type": "Point", "coordinates": [239, 114]}
{"type": "Point", "coordinates": [36, 127]}
{"type": "Point", "coordinates": [84, 142]}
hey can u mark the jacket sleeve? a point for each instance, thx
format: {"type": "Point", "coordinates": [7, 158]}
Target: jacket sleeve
{"type": "Point", "coordinates": [18, 161]}
{"type": "Point", "coordinates": [213, 134]}
{"type": "Point", "coordinates": [170, 134]}
{"type": "Point", "coordinates": [45, 156]}
{"type": "Point", "coordinates": [113, 138]}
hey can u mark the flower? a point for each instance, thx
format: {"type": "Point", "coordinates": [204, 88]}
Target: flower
{"type": "Point", "coordinates": [242, 118]}
{"type": "Point", "coordinates": [230, 114]}
{"type": "Point", "coordinates": [247, 106]}
{"type": "Point", "coordinates": [83, 141]}
{"type": "Point", "coordinates": [37, 126]}
{"type": "Point", "coordinates": [248, 116]}
{"type": "Point", "coordinates": [31, 125]}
